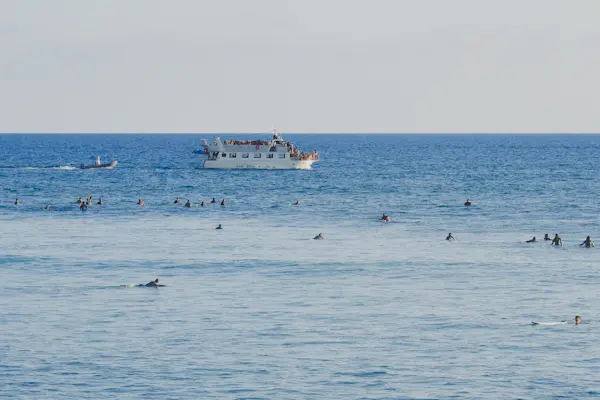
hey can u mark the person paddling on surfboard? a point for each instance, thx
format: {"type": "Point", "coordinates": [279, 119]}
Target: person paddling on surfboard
{"type": "Point", "coordinates": [546, 237]}
{"type": "Point", "coordinates": [319, 237]}
{"type": "Point", "coordinates": [530, 240]}
{"type": "Point", "coordinates": [587, 242]}
{"type": "Point", "coordinates": [557, 241]}
{"type": "Point", "coordinates": [154, 283]}
{"type": "Point", "coordinates": [467, 203]}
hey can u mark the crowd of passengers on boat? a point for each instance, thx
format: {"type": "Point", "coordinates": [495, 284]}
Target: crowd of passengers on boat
{"type": "Point", "coordinates": [250, 143]}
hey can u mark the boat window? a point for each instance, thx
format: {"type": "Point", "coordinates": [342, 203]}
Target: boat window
{"type": "Point", "coordinates": [232, 155]}
{"type": "Point", "coordinates": [257, 155]}
{"type": "Point", "coordinates": [245, 155]}
{"type": "Point", "coordinates": [224, 155]}
{"type": "Point", "coordinates": [281, 155]}
{"type": "Point", "coordinates": [270, 155]}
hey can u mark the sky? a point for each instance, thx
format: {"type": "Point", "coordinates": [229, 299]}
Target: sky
{"type": "Point", "coordinates": [303, 66]}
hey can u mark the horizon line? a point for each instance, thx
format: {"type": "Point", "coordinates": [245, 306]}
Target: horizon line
{"type": "Point", "coordinates": [300, 133]}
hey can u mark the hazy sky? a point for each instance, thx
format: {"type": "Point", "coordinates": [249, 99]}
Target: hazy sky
{"type": "Point", "coordinates": [302, 65]}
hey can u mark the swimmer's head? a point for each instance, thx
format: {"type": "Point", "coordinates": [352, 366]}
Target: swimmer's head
{"type": "Point", "coordinates": [156, 280]}
{"type": "Point", "coordinates": [577, 320]}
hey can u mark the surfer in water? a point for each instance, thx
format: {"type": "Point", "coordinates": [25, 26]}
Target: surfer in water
{"type": "Point", "coordinates": [223, 202]}
{"type": "Point", "coordinates": [385, 218]}
{"type": "Point", "coordinates": [47, 207]}
{"type": "Point", "coordinates": [154, 283]}
{"type": "Point", "coordinates": [213, 201]}
{"type": "Point", "coordinates": [546, 237]}
{"type": "Point", "coordinates": [530, 240]}
{"type": "Point", "coordinates": [79, 201]}
{"type": "Point", "coordinates": [319, 237]}
{"type": "Point", "coordinates": [17, 202]}
{"type": "Point", "coordinates": [202, 204]}
{"type": "Point", "coordinates": [297, 203]}
{"type": "Point", "coordinates": [577, 320]}
{"type": "Point", "coordinates": [557, 241]}
{"type": "Point", "coordinates": [177, 201]}
{"type": "Point", "coordinates": [83, 207]}
{"type": "Point", "coordinates": [219, 227]}
{"type": "Point", "coordinates": [467, 203]}
{"type": "Point", "coordinates": [140, 202]}
{"type": "Point", "coordinates": [188, 204]}
{"type": "Point", "coordinates": [100, 201]}
{"type": "Point", "coordinates": [450, 237]}
{"type": "Point", "coordinates": [98, 161]}
{"type": "Point", "coordinates": [588, 242]}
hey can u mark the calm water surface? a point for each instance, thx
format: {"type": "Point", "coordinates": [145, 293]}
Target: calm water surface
{"type": "Point", "coordinates": [261, 311]}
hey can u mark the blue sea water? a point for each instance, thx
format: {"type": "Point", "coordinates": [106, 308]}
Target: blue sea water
{"type": "Point", "coordinates": [260, 311]}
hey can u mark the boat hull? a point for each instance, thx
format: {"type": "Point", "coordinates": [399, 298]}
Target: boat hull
{"type": "Point", "coordinates": [258, 164]}
{"type": "Point", "coordinates": [107, 166]}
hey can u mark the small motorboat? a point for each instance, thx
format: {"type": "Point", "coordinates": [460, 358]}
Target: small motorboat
{"type": "Point", "coordinates": [107, 165]}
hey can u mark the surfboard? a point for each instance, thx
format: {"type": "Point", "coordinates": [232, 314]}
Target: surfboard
{"type": "Point", "coordinates": [548, 323]}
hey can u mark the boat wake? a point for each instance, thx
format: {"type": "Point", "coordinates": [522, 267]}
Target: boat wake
{"type": "Point", "coordinates": [60, 167]}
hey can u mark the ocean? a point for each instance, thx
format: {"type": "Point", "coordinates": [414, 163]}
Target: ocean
{"type": "Point", "coordinates": [259, 310]}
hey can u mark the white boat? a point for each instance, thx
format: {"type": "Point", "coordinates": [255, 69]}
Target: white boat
{"type": "Point", "coordinates": [256, 154]}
